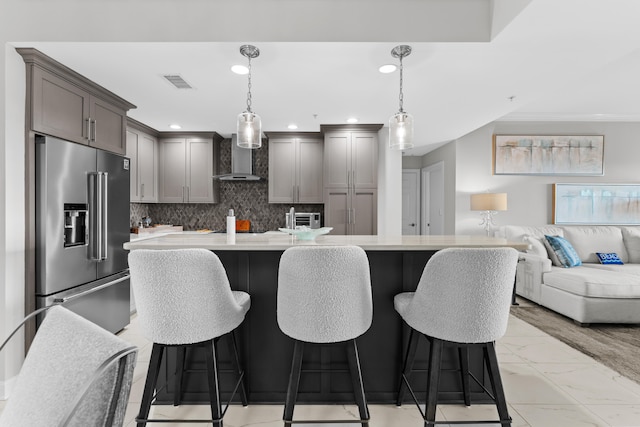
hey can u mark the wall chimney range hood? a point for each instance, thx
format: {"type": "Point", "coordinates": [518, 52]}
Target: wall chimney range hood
{"type": "Point", "coordinates": [241, 164]}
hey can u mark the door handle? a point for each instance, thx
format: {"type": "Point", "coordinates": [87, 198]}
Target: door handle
{"type": "Point", "coordinates": [88, 129]}
{"type": "Point", "coordinates": [105, 216]}
{"type": "Point", "coordinates": [95, 126]}
{"type": "Point", "coordinates": [92, 290]}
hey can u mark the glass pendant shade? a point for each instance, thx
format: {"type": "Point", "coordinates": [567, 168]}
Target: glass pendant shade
{"type": "Point", "coordinates": [249, 130]}
{"type": "Point", "coordinates": [401, 131]}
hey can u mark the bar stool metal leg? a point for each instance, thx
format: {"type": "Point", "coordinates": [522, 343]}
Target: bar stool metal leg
{"type": "Point", "coordinates": [433, 379]}
{"type": "Point", "coordinates": [177, 395]}
{"type": "Point", "coordinates": [150, 384]}
{"type": "Point", "coordinates": [235, 361]}
{"type": "Point", "coordinates": [294, 380]}
{"type": "Point", "coordinates": [410, 357]}
{"type": "Point", "coordinates": [463, 354]}
{"type": "Point", "coordinates": [212, 377]}
{"type": "Point", "coordinates": [356, 380]}
{"type": "Point", "coordinates": [491, 361]}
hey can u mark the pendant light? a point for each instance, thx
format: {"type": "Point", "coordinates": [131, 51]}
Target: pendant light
{"type": "Point", "coordinates": [249, 123]}
{"type": "Point", "coordinates": [401, 123]}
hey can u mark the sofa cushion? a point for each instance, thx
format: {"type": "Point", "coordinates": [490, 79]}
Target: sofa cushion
{"type": "Point", "coordinates": [625, 268]}
{"type": "Point", "coordinates": [565, 255]}
{"type": "Point", "coordinates": [594, 282]}
{"type": "Point", "coordinates": [587, 240]}
{"type": "Point", "coordinates": [631, 238]}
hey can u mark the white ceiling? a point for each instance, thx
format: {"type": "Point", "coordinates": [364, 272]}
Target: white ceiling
{"type": "Point", "coordinates": [558, 59]}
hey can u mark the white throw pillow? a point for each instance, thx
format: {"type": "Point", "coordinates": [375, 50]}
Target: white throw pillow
{"type": "Point", "coordinates": [537, 247]}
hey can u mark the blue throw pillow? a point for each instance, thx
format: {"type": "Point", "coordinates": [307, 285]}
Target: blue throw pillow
{"type": "Point", "coordinates": [609, 258]}
{"type": "Point", "coordinates": [567, 256]}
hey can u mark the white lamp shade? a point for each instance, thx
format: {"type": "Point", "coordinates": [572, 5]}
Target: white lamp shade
{"type": "Point", "coordinates": [401, 131]}
{"type": "Point", "coordinates": [489, 202]}
{"type": "Point", "coordinates": [249, 130]}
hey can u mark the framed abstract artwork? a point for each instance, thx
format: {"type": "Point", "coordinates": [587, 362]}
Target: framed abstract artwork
{"type": "Point", "coordinates": [548, 155]}
{"type": "Point", "coordinates": [603, 204]}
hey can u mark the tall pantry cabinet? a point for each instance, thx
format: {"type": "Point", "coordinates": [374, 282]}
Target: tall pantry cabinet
{"type": "Point", "coordinates": [351, 180]}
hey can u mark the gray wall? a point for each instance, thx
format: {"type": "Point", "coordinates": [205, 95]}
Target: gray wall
{"type": "Point", "coordinates": [530, 197]}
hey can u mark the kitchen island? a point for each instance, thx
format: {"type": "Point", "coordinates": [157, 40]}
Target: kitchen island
{"type": "Point", "coordinates": [251, 263]}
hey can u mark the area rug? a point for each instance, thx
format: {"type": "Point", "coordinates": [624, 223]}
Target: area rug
{"type": "Point", "coordinates": [614, 345]}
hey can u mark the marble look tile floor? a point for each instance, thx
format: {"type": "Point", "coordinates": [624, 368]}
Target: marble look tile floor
{"type": "Point", "coordinates": [547, 383]}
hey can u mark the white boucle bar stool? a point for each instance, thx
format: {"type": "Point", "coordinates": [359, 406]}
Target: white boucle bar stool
{"type": "Point", "coordinates": [462, 300]}
{"type": "Point", "coordinates": [184, 299]}
{"type": "Point", "coordinates": [324, 297]}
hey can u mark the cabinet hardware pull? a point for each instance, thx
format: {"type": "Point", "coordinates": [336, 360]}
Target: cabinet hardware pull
{"type": "Point", "coordinates": [88, 129]}
{"type": "Point", "coordinates": [142, 190]}
{"type": "Point", "coordinates": [95, 126]}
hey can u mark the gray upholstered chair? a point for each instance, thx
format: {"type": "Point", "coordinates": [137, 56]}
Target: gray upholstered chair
{"type": "Point", "coordinates": [184, 299]}
{"type": "Point", "coordinates": [324, 297]}
{"type": "Point", "coordinates": [462, 300]}
{"type": "Point", "coordinates": [75, 374]}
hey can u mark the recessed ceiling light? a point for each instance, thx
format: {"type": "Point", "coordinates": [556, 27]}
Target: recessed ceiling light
{"type": "Point", "coordinates": [175, 126]}
{"type": "Point", "coordinates": [240, 69]}
{"type": "Point", "coordinates": [352, 120]}
{"type": "Point", "coordinates": [387, 68]}
{"type": "Point", "coordinates": [292, 126]}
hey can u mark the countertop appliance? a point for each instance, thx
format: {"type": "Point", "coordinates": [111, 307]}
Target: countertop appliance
{"type": "Point", "coordinates": [82, 221]}
{"type": "Point", "coordinates": [307, 219]}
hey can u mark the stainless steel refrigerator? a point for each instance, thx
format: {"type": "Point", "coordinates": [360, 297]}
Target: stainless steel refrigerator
{"type": "Point", "coordinates": [82, 221]}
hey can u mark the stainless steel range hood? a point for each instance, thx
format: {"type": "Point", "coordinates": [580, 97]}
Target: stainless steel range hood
{"type": "Point", "coordinates": [241, 164]}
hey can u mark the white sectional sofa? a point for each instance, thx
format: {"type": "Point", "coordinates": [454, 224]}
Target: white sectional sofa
{"type": "Point", "coordinates": [591, 292]}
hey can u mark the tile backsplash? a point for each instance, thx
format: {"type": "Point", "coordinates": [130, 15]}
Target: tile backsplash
{"type": "Point", "coordinates": [249, 200]}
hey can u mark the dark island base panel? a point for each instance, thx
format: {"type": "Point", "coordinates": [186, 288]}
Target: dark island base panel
{"type": "Point", "coordinates": [266, 352]}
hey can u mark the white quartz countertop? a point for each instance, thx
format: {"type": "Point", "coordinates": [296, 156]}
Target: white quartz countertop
{"type": "Point", "coordinates": [281, 241]}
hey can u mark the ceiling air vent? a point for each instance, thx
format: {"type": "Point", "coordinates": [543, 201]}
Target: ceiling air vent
{"type": "Point", "coordinates": [177, 81]}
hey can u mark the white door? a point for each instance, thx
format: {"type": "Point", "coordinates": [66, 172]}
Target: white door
{"type": "Point", "coordinates": [410, 201]}
{"type": "Point", "coordinates": [433, 199]}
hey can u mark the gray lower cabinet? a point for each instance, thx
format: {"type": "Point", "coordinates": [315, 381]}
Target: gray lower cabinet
{"type": "Point", "coordinates": [351, 211]}
{"type": "Point", "coordinates": [351, 181]}
{"type": "Point", "coordinates": [142, 150]}
{"type": "Point", "coordinates": [186, 169]}
{"type": "Point", "coordinates": [295, 168]}
{"type": "Point", "coordinates": [66, 105]}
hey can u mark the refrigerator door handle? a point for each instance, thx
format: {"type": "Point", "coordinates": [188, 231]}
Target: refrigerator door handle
{"type": "Point", "coordinates": [94, 216]}
{"type": "Point", "coordinates": [90, 291]}
{"type": "Point", "coordinates": [99, 217]}
{"type": "Point", "coordinates": [105, 214]}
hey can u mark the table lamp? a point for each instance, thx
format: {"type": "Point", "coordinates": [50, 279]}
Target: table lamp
{"type": "Point", "coordinates": [489, 204]}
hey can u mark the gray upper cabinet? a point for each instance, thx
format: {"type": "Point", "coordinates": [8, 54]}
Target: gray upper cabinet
{"type": "Point", "coordinates": [186, 169]}
{"type": "Point", "coordinates": [64, 104]}
{"type": "Point", "coordinates": [295, 168]}
{"type": "Point", "coordinates": [351, 180]}
{"type": "Point", "coordinates": [351, 159]}
{"type": "Point", "coordinates": [142, 150]}
{"type": "Point", "coordinates": [59, 108]}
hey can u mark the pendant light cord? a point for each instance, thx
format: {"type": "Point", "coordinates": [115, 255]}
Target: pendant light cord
{"type": "Point", "coordinates": [249, 92]}
{"type": "Point", "coordinates": [401, 79]}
